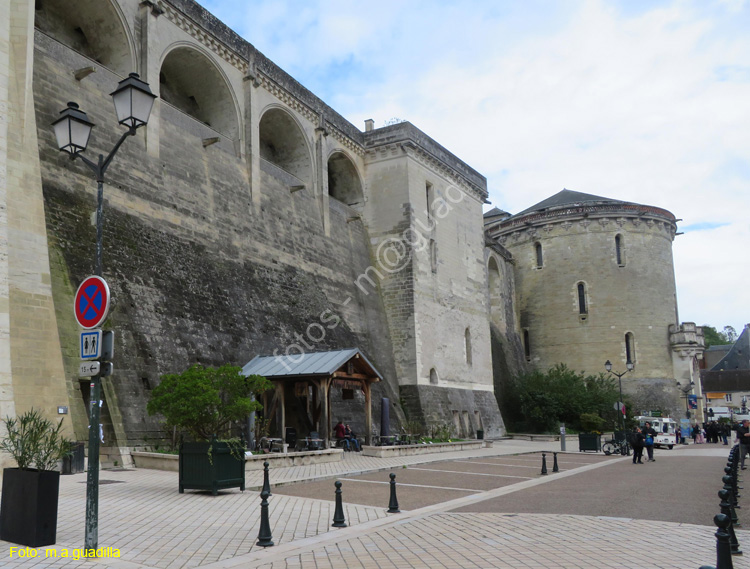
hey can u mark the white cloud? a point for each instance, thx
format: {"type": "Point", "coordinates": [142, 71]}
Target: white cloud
{"type": "Point", "coordinates": [644, 104]}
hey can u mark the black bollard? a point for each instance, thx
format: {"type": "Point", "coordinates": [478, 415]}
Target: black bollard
{"type": "Point", "coordinates": [727, 480]}
{"type": "Point", "coordinates": [723, 547]}
{"type": "Point", "coordinates": [266, 484]}
{"type": "Point", "coordinates": [726, 509]}
{"type": "Point", "coordinates": [339, 521]}
{"type": "Point", "coordinates": [393, 504]}
{"type": "Point", "coordinates": [264, 535]}
{"type": "Point", "coordinates": [555, 468]}
{"type": "Point", "coordinates": [544, 464]}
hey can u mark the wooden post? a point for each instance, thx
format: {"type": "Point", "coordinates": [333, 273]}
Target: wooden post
{"type": "Point", "coordinates": [368, 411]}
{"type": "Point", "coordinates": [282, 403]}
{"type": "Point", "coordinates": [324, 417]}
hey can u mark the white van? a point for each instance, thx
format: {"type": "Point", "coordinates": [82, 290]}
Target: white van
{"type": "Point", "coordinates": [665, 430]}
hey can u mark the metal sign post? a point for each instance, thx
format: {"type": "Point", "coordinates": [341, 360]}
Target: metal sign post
{"type": "Point", "coordinates": [91, 535]}
{"type": "Point", "coordinates": [91, 305]}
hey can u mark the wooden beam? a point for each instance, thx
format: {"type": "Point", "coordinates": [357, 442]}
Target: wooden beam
{"type": "Point", "coordinates": [343, 375]}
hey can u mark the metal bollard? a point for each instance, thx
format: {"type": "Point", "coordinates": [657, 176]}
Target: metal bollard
{"type": "Point", "coordinates": [265, 539]}
{"type": "Point", "coordinates": [339, 521]}
{"type": "Point", "coordinates": [544, 464]}
{"type": "Point", "coordinates": [266, 484]}
{"type": "Point", "coordinates": [723, 547]}
{"type": "Point", "coordinates": [555, 468]}
{"type": "Point", "coordinates": [727, 480]}
{"type": "Point", "coordinates": [726, 509]}
{"type": "Point", "coordinates": [393, 503]}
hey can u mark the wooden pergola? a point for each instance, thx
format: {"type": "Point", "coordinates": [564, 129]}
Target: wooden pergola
{"type": "Point", "coordinates": [320, 370]}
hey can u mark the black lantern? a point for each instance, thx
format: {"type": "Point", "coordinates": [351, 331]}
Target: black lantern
{"type": "Point", "coordinates": [133, 101]}
{"type": "Point", "coordinates": [72, 129]}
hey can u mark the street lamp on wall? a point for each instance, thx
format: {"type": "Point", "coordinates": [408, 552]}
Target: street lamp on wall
{"type": "Point", "coordinates": [133, 101]}
{"type": "Point", "coordinates": [685, 390]}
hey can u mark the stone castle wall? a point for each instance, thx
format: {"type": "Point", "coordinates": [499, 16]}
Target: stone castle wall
{"type": "Point", "coordinates": [225, 231]}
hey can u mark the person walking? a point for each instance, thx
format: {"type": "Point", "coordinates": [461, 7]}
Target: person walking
{"type": "Point", "coordinates": [637, 446]}
{"type": "Point", "coordinates": [743, 435]}
{"type": "Point", "coordinates": [694, 434]}
{"type": "Point", "coordinates": [650, 435]}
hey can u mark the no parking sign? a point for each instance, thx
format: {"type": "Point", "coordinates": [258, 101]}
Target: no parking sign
{"type": "Point", "coordinates": [91, 303]}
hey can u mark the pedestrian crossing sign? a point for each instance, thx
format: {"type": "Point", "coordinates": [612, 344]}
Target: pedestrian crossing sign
{"type": "Point", "coordinates": [91, 341]}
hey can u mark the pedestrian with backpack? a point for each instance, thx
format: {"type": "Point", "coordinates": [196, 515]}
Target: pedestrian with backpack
{"type": "Point", "coordinates": [649, 435]}
{"type": "Point", "coordinates": [637, 441]}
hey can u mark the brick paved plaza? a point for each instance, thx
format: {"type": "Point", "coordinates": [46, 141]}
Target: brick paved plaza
{"type": "Point", "coordinates": [469, 509]}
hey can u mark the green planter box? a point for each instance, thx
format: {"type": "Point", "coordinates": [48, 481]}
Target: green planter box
{"type": "Point", "coordinates": [588, 441]}
{"type": "Point", "coordinates": [198, 473]}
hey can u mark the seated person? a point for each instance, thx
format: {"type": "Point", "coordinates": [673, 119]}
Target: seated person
{"type": "Point", "coordinates": [340, 432]}
{"type": "Point", "coordinates": [352, 438]}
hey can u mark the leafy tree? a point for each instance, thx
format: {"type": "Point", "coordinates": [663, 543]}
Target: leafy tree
{"type": "Point", "coordinates": [204, 402]}
{"type": "Point", "coordinates": [713, 337]}
{"type": "Point", "coordinates": [538, 401]}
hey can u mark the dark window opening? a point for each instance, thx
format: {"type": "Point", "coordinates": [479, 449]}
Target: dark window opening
{"type": "Point", "coordinates": [539, 258]}
{"type": "Point", "coordinates": [629, 347]}
{"type": "Point", "coordinates": [582, 299]}
{"type": "Point", "coordinates": [526, 345]}
{"type": "Point", "coordinates": [618, 250]}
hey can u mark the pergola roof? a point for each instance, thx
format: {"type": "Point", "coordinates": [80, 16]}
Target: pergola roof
{"type": "Point", "coordinates": [314, 364]}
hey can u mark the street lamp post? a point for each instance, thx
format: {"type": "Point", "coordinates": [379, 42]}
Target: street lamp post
{"type": "Point", "coordinates": [685, 390]}
{"type": "Point", "coordinates": [630, 367]}
{"type": "Point", "coordinates": [133, 101]}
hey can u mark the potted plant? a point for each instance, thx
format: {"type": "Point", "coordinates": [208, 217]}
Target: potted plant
{"type": "Point", "coordinates": [591, 437]}
{"type": "Point", "coordinates": [28, 510]}
{"type": "Point", "coordinates": [204, 403]}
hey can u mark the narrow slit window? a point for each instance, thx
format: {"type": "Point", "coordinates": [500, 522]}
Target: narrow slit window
{"type": "Point", "coordinates": [582, 309]}
{"type": "Point", "coordinates": [539, 257]}
{"type": "Point", "coordinates": [526, 345]}
{"type": "Point", "coordinates": [619, 251]}
{"type": "Point", "coordinates": [629, 347]}
{"type": "Point", "coordinates": [430, 197]}
{"type": "Point", "coordinates": [433, 255]}
{"type": "Point", "coordinates": [433, 377]}
{"type": "Point", "coordinates": [467, 342]}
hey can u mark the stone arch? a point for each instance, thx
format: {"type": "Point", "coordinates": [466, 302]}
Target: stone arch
{"type": "Point", "coordinates": [433, 377]}
{"type": "Point", "coordinates": [190, 80]}
{"type": "Point", "coordinates": [95, 28]}
{"type": "Point", "coordinates": [344, 181]}
{"type": "Point", "coordinates": [284, 144]}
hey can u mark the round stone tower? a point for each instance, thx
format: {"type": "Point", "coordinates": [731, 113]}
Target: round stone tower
{"type": "Point", "coordinates": [595, 282]}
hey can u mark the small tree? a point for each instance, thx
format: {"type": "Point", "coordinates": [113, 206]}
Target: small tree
{"type": "Point", "coordinates": [204, 402]}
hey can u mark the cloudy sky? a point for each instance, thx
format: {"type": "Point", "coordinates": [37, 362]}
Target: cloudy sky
{"type": "Point", "coordinates": [638, 100]}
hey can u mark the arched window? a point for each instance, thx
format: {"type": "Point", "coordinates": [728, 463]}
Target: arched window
{"type": "Point", "coordinates": [526, 345]}
{"type": "Point", "coordinates": [467, 342]}
{"type": "Point", "coordinates": [582, 308]}
{"type": "Point", "coordinates": [539, 257]}
{"type": "Point", "coordinates": [191, 82]}
{"type": "Point", "coordinates": [283, 143]}
{"type": "Point", "coordinates": [91, 27]}
{"type": "Point", "coordinates": [433, 377]}
{"type": "Point", "coordinates": [619, 250]}
{"type": "Point", "coordinates": [343, 181]}
{"type": "Point", "coordinates": [630, 347]}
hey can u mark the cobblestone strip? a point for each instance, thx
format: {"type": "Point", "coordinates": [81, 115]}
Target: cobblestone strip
{"type": "Point", "coordinates": [513, 541]}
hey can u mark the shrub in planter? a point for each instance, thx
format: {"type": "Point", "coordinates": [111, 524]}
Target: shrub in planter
{"type": "Point", "coordinates": [204, 403]}
{"type": "Point", "coordinates": [28, 511]}
{"type": "Point", "coordinates": [591, 439]}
